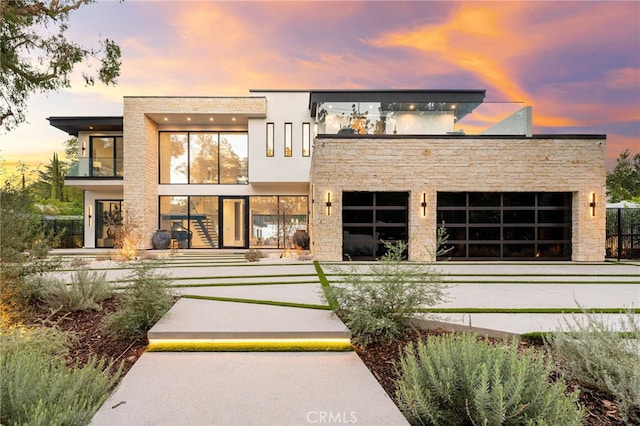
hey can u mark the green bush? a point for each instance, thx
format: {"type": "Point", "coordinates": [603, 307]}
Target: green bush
{"type": "Point", "coordinates": [145, 300]}
{"type": "Point", "coordinates": [597, 355]}
{"type": "Point", "coordinates": [378, 306]}
{"type": "Point", "coordinates": [86, 291]}
{"type": "Point", "coordinates": [46, 340]}
{"type": "Point", "coordinates": [38, 389]}
{"type": "Point", "coordinates": [459, 380]}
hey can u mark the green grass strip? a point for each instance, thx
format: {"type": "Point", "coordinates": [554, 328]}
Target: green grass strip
{"type": "Point", "coordinates": [258, 302]}
{"type": "Point", "coordinates": [326, 287]}
{"type": "Point", "coordinates": [242, 284]}
{"type": "Point", "coordinates": [527, 310]}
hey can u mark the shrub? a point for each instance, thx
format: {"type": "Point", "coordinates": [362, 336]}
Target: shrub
{"type": "Point", "coordinates": [457, 380]}
{"type": "Point", "coordinates": [146, 299]}
{"type": "Point", "coordinates": [47, 340]}
{"type": "Point", "coordinates": [600, 357]}
{"type": "Point", "coordinates": [86, 291]}
{"type": "Point", "coordinates": [378, 306]}
{"type": "Point", "coordinates": [38, 389]}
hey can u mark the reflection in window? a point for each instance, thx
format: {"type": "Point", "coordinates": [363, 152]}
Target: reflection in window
{"type": "Point", "coordinates": [306, 139]}
{"type": "Point", "coordinates": [233, 158]}
{"type": "Point", "coordinates": [203, 158]}
{"type": "Point", "coordinates": [270, 137]}
{"type": "Point", "coordinates": [288, 136]}
{"type": "Point", "coordinates": [275, 219]}
{"type": "Point", "coordinates": [173, 157]}
{"type": "Point", "coordinates": [106, 156]}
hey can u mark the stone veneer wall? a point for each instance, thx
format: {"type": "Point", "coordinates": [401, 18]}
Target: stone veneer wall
{"type": "Point", "coordinates": [141, 147]}
{"type": "Point", "coordinates": [430, 165]}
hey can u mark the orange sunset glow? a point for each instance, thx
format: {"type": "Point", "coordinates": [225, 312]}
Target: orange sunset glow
{"type": "Point", "coordinates": [576, 63]}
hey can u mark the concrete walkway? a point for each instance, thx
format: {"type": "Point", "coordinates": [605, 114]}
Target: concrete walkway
{"type": "Point", "coordinates": [331, 387]}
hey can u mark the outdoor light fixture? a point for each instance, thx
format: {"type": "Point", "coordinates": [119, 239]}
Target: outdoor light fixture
{"type": "Point", "coordinates": [89, 215]}
{"type": "Point", "coordinates": [592, 204]}
{"type": "Point", "coordinates": [423, 204]}
{"type": "Point", "coordinates": [84, 147]}
{"type": "Point", "coordinates": [328, 204]}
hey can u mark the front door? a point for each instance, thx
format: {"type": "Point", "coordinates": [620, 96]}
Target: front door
{"type": "Point", "coordinates": [234, 222]}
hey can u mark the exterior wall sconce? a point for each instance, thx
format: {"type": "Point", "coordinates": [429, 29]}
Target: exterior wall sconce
{"type": "Point", "coordinates": [84, 147]}
{"type": "Point", "coordinates": [89, 215]}
{"type": "Point", "coordinates": [592, 204]}
{"type": "Point", "coordinates": [328, 204]}
{"type": "Point", "coordinates": [423, 204]}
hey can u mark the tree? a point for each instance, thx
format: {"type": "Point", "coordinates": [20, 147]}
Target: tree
{"type": "Point", "coordinates": [623, 182]}
{"type": "Point", "coordinates": [35, 55]}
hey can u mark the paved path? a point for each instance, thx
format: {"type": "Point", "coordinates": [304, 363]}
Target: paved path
{"type": "Point", "coordinates": [282, 388]}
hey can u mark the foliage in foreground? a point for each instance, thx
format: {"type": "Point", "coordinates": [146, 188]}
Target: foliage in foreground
{"type": "Point", "coordinates": [378, 306]}
{"type": "Point", "coordinates": [38, 389]}
{"type": "Point", "coordinates": [86, 291]}
{"type": "Point", "coordinates": [457, 380]}
{"type": "Point", "coordinates": [145, 300]}
{"type": "Point", "coordinates": [23, 249]}
{"type": "Point", "coordinates": [36, 385]}
{"type": "Point", "coordinates": [597, 355]}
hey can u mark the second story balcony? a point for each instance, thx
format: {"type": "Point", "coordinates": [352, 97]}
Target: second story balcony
{"type": "Point", "coordinates": [96, 167]}
{"type": "Point", "coordinates": [363, 113]}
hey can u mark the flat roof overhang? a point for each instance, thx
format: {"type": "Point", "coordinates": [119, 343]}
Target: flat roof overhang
{"type": "Point", "coordinates": [74, 125]}
{"type": "Point", "coordinates": [389, 96]}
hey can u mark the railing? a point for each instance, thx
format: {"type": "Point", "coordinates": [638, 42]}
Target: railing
{"type": "Point", "coordinates": [428, 118]}
{"type": "Point", "coordinates": [106, 167]}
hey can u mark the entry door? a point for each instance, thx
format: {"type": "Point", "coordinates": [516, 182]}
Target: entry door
{"type": "Point", "coordinates": [234, 222]}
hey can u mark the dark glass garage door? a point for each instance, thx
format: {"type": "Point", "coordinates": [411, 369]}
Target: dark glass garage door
{"type": "Point", "coordinates": [506, 225]}
{"type": "Point", "coordinates": [368, 219]}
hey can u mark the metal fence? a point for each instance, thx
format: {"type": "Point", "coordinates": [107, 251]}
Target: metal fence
{"type": "Point", "coordinates": [68, 230]}
{"type": "Point", "coordinates": [623, 233]}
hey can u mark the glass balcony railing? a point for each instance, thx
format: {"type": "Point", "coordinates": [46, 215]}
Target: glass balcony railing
{"type": "Point", "coordinates": [428, 118]}
{"type": "Point", "coordinates": [104, 167]}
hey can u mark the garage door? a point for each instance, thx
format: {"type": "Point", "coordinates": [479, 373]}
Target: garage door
{"type": "Point", "coordinates": [506, 225]}
{"type": "Point", "coordinates": [368, 218]}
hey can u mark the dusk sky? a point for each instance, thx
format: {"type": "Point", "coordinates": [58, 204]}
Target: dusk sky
{"type": "Point", "coordinates": [577, 63]}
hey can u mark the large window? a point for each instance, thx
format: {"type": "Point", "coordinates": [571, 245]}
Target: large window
{"type": "Point", "coordinates": [509, 225]}
{"type": "Point", "coordinates": [275, 219]}
{"type": "Point", "coordinates": [106, 156]}
{"type": "Point", "coordinates": [192, 221]}
{"type": "Point", "coordinates": [203, 157]}
{"type": "Point", "coordinates": [109, 216]}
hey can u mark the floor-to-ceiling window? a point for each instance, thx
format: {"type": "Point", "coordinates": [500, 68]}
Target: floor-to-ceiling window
{"type": "Point", "coordinates": [275, 220]}
{"type": "Point", "coordinates": [108, 217]}
{"type": "Point", "coordinates": [106, 156]}
{"type": "Point", "coordinates": [203, 157]}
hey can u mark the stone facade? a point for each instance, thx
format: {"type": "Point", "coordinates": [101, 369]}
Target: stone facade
{"type": "Point", "coordinates": [458, 164]}
{"type": "Point", "coordinates": [141, 147]}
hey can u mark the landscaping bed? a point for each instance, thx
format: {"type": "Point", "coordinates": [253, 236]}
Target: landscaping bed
{"type": "Point", "coordinates": [90, 340]}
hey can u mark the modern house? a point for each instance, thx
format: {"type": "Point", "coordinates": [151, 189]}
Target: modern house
{"type": "Point", "coordinates": [350, 168]}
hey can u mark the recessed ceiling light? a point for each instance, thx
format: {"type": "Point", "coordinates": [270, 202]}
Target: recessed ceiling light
{"type": "Point", "coordinates": [188, 118]}
{"type": "Point", "coordinates": [90, 127]}
{"type": "Point", "coordinates": [166, 119]}
{"type": "Point", "coordinates": [412, 106]}
{"type": "Point", "coordinates": [453, 107]}
{"type": "Point", "coordinates": [233, 119]}
{"type": "Point", "coordinates": [210, 118]}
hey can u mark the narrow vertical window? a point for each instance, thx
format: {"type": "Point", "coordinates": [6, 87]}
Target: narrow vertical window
{"type": "Point", "coordinates": [269, 139]}
{"type": "Point", "coordinates": [306, 139]}
{"type": "Point", "coordinates": [288, 136]}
